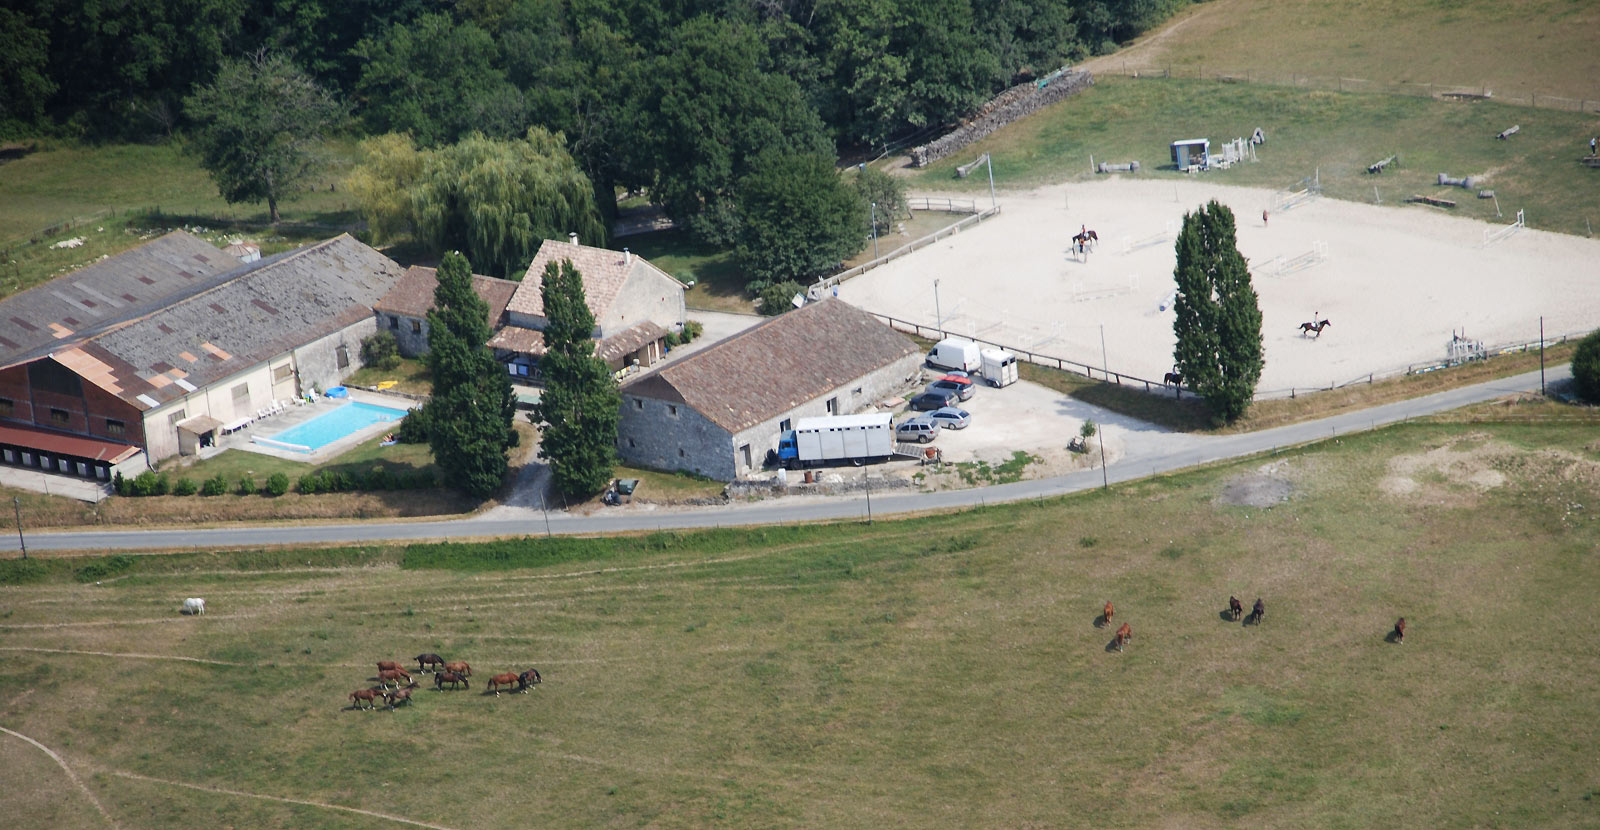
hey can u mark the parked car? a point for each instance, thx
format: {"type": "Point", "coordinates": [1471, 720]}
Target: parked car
{"type": "Point", "coordinates": [920, 429]}
{"type": "Point", "coordinates": [963, 387]}
{"type": "Point", "coordinates": [934, 399]}
{"type": "Point", "coordinates": [950, 417]}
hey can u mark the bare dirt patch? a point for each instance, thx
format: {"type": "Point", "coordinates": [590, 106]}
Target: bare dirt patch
{"type": "Point", "coordinates": [1270, 485]}
{"type": "Point", "coordinates": [1473, 464]}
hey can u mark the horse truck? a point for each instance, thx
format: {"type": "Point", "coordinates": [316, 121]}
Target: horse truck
{"type": "Point", "coordinates": [853, 438]}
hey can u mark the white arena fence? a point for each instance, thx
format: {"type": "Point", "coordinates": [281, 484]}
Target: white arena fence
{"type": "Point", "coordinates": [1491, 237]}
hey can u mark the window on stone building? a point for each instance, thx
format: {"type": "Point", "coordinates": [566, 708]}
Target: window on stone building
{"type": "Point", "coordinates": [174, 418]}
{"type": "Point", "coordinates": [638, 404]}
{"type": "Point", "coordinates": [672, 410]}
{"type": "Point", "coordinates": [394, 322]}
{"type": "Point", "coordinates": [416, 326]}
{"type": "Point", "coordinates": [630, 443]}
{"type": "Point", "coordinates": [283, 373]}
{"type": "Point", "coordinates": [681, 453]}
{"type": "Point", "coordinates": [341, 356]}
{"type": "Point", "coordinates": [114, 427]}
{"type": "Point", "coordinates": [59, 416]}
{"type": "Point", "coordinates": [784, 425]}
{"type": "Point", "coordinates": [833, 406]}
{"type": "Point", "coordinates": [241, 398]}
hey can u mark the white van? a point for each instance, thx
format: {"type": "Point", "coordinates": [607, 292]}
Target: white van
{"type": "Point", "coordinates": [999, 367]}
{"type": "Point", "coordinates": [955, 353]}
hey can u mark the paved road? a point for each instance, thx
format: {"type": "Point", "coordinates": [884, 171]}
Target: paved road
{"type": "Point", "coordinates": [1204, 450]}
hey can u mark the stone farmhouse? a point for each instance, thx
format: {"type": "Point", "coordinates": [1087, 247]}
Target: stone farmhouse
{"type": "Point", "coordinates": [148, 354]}
{"type": "Point", "coordinates": [635, 306]}
{"type": "Point", "coordinates": [403, 312]}
{"type": "Point", "coordinates": [718, 411]}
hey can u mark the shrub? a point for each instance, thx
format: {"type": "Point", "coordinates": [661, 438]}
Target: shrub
{"type": "Point", "coordinates": [1087, 430]}
{"type": "Point", "coordinates": [148, 483]}
{"type": "Point", "coordinates": [277, 484]}
{"type": "Point", "coordinates": [777, 297]}
{"type": "Point", "coordinates": [119, 485]}
{"type": "Point", "coordinates": [381, 351]}
{"type": "Point", "coordinates": [247, 485]}
{"type": "Point", "coordinates": [309, 483]}
{"type": "Point", "coordinates": [185, 487]}
{"type": "Point", "coordinates": [214, 486]}
{"type": "Point", "coordinates": [1586, 368]}
{"type": "Point", "coordinates": [414, 427]}
{"type": "Point", "coordinates": [691, 330]}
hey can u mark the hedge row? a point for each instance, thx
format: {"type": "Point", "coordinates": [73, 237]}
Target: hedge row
{"type": "Point", "coordinates": [150, 483]}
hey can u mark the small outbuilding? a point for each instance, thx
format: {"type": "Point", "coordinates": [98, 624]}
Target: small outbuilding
{"type": "Point", "coordinates": [1191, 152]}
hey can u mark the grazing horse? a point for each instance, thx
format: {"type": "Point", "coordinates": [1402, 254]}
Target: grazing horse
{"type": "Point", "coordinates": [1172, 379]}
{"type": "Point", "coordinates": [387, 665]}
{"type": "Point", "coordinates": [449, 677]}
{"type": "Point", "coordinates": [394, 676]}
{"type": "Point", "coordinates": [502, 680]}
{"type": "Point", "coordinates": [1235, 608]}
{"type": "Point", "coordinates": [426, 660]}
{"type": "Point", "coordinates": [1259, 611]}
{"type": "Point", "coordinates": [459, 667]}
{"type": "Point", "coordinates": [1124, 634]}
{"type": "Point", "coordinates": [1105, 615]}
{"type": "Point", "coordinates": [529, 678]}
{"type": "Point", "coordinates": [1314, 327]}
{"type": "Point", "coordinates": [1400, 631]}
{"type": "Point", "coordinates": [399, 696]}
{"type": "Point", "coordinates": [369, 695]}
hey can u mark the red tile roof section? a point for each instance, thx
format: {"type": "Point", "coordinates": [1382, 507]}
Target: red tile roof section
{"type": "Point", "coordinates": [78, 446]}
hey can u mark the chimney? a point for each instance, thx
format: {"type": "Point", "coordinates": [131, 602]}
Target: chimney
{"type": "Point", "coordinates": [573, 238]}
{"type": "Point", "coordinates": [627, 257]}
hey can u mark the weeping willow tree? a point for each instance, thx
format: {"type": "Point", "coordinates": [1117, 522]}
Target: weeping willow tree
{"type": "Point", "coordinates": [493, 200]}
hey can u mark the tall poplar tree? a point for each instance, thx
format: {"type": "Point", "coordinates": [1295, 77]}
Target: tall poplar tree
{"type": "Point", "coordinates": [580, 406]}
{"type": "Point", "coordinates": [1218, 323]}
{"type": "Point", "coordinates": [469, 416]}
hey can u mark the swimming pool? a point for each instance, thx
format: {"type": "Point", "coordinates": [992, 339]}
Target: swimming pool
{"type": "Point", "coordinates": [331, 426]}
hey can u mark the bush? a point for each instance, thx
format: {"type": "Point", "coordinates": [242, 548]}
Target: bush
{"type": "Point", "coordinates": [185, 487]}
{"type": "Point", "coordinates": [414, 427]}
{"type": "Point", "coordinates": [247, 485]}
{"type": "Point", "coordinates": [381, 351]}
{"type": "Point", "coordinates": [148, 483]}
{"type": "Point", "coordinates": [214, 486]}
{"type": "Point", "coordinates": [277, 484]}
{"type": "Point", "coordinates": [119, 485]}
{"type": "Point", "coordinates": [309, 483]}
{"type": "Point", "coordinates": [691, 330]}
{"type": "Point", "coordinates": [777, 297]}
{"type": "Point", "coordinates": [1586, 368]}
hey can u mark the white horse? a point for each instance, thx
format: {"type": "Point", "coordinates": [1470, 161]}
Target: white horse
{"type": "Point", "coordinates": [194, 605]}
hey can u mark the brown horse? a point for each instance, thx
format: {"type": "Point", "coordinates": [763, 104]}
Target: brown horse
{"type": "Point", "coordinates": [394, 676]}
{"type": "Point", "coordinates": [399, 696]}
{"type": "Point", "coordinates": [1314, 327]}
{"type": "Point", "coordinates": [459, 667]}
{"type": "Point", "coordinates": [1235, 608]}
{"type": "Point", "coordinates": [501, 680]}
{"type": "Point", "coordinates": [1258, 612]}
{"type": "Point", "coordinates": [529, 678]}
{"type": "Point", "coordinates": [369, 695]}
{"type": "Point", "coordinates": [1400, 631]}
{"type": "Point", "coordinates": [449, 677]}
{"type": "Point", "coordinates": [1172, 379]}
{"type": "Point", "coordinates": [387, 665]}
{"type": "Point", "coordinates": [1105, 615]}
{"type": "Point", "coordinates": [426, 660]}
{"type": "Point", "coordinates": [1124, 634]}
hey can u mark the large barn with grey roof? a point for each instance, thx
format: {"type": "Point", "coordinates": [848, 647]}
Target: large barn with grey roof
{"type": "Point", "coordinates": [716, 412]}
{"type": "Point", "coordinates": [149, 353]}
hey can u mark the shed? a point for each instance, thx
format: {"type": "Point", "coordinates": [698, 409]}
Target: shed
{"type": "Point", "coordinates": [1190, 152]}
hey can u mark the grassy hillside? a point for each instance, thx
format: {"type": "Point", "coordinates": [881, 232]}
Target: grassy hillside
{"type": "Point", "coordinates": [938, 671]}
{"type": "Point", "coordinates": [1516, 48]}
{"type": "Point", "coordinates": [1121, 119]}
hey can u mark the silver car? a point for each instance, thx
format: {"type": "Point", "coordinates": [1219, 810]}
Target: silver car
{"type": "Point", "coordinates": [920, 429]}
{"type": "Point", "coordinates": [950, 417]}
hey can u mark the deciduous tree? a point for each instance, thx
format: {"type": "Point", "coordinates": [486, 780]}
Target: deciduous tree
{"type": "Point", "coordinates": [580, 407]}
{"type": "Point", "coordinates": [798, 218]}
{"type": "Point", "coordinates": [1218, 323]}
{"type": "Point", "coordinates": [258, 127]}
{"type": "Point", "coordinates": [469, 416]}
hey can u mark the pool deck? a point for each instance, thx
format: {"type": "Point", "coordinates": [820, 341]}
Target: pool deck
{"type": "Point", "coordinates": [296, 415]}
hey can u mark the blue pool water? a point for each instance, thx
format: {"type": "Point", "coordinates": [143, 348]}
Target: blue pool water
{"type": "Point", "coordinates": [331, 426]}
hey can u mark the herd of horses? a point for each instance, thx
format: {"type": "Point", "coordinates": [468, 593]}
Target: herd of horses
{"type": "Point", "coordinates": [444, 671]}
{"type": "Point", "coordinates": [1258, 613]}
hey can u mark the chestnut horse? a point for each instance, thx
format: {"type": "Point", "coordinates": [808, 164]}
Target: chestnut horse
{"type": "Point", "coordinates": [1400, 631]}
{"type": "Point", "coordinates": [449, 677]}
{"type": "Point", "coordinates": [1314, 327]}
{"type": "Point", "coordinates": [399, 696]}
{"type": "Point", "coordinates": [530, 678]}
{"type": "Point", "coordinates": [459, 667]}
{"type": "Point", "coordinates": [1124, 634]}
{"type": "Point", "coordinates": [426, 660]}
{"type": "Point", "coordinates": [394, 676]}
{"type": "Point", "coordinates": [387, 665]}
{"type": "Point", "coordinates": [1235, 608]}
{"type": "Point", "coordinates": [369, 695]}
{"type": "Point", "coordinates": [502, 680]}
{"type": "Point", "coordinates": [1106, 614]}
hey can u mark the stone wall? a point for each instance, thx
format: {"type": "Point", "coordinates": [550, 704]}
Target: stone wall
{"type": "Point", "coordinates": [662, 435]}
{"type": "Point", "coordinates": [1011, 105]}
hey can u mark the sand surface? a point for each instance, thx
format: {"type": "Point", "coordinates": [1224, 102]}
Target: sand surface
{"type": "Point", "coordinates": [1398, 280]}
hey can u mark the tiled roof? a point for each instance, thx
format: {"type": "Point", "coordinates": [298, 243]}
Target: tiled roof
{"type": "Point", "coordinates": [777, 365]}
{"type": "Point", "coordinates": [520, 340]}
{"type": "Point", "coordinates": [44, 440]}
{"type": "Point", "coordinates": [604, 271]}
{"type": "Point", "coordinates": [254, 312]}
{"type": "Point", "coordinates": [412, 296]}
{"type": "Point", "coordinates": [625, 342]}
{"type": "Point", "coordinates": [134, 282]}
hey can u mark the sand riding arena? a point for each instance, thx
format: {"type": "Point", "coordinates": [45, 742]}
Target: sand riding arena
{"type": "Point", "coordinates": [1396, 281]}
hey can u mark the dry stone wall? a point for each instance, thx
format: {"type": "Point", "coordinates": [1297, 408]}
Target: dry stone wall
{"type": "Point", "coordinates": [1015, 103]}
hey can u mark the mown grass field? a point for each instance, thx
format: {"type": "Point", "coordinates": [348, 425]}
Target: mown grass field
{"type": "Point", "coordinates": [1308, 131]}
{"type": "Point", "coordinates": [938, 671]}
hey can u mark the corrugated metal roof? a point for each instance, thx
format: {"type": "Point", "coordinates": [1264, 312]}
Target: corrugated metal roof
{"type": "Point", "coordinates": [78, 446]}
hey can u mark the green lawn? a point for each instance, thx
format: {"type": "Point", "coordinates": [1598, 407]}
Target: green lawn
{"type": "Point", "coordinates": [233, 463]}
{"type": "Point", "coordinates": [719, 284]}
{"type": "Point", "coordinates": [933, 671]}
{"type": "Point", "coordinates": [658, 486]}
{"type": "Point", "coordinates": [1120, 119]}
{"type": "Point", "coordinates": [412, 375]}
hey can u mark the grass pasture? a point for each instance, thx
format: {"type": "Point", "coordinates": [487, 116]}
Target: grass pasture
{"type": "Point", "coordinates": [911, 673]}
{"type": "Point", "coordinates": [1338, 134]}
